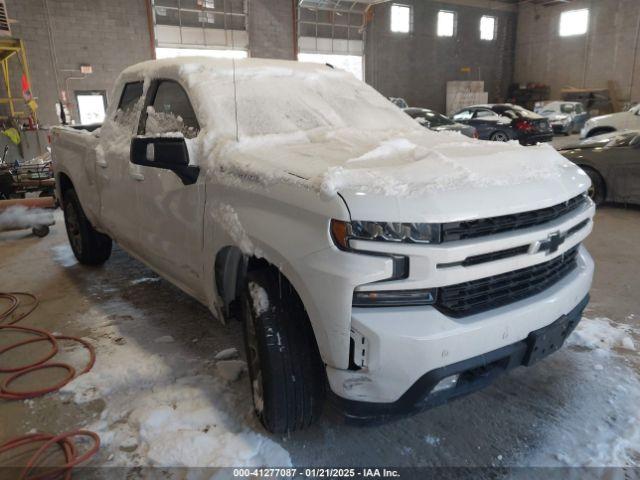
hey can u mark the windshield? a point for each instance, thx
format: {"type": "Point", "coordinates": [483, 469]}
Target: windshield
{"type": "Point", "coordinates": [288, 100]}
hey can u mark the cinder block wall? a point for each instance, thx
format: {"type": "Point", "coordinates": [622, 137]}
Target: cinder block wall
{"type": "Point", "coordinates": [109, 35]}
{"type": "Point", "coordinates": [608, 51]}
{"type": "Point", "coordinates": [271, 33]}
{"type": "Point", "coordinates": [417, 66]}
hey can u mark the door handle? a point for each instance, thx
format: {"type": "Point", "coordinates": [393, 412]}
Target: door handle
{"type": "Point", "coordinates": [136, 176]}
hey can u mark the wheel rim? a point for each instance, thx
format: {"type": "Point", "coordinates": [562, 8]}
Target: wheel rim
{"type": "Point", "coordinates": [253, 359]}
{"type": "Point", "coordinates": [72, 222]}
{"type": "Point", "coordinates": [500, 137]}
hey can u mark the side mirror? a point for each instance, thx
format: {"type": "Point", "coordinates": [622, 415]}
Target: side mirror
{"type": "Point", "coordinates": [168, 153]}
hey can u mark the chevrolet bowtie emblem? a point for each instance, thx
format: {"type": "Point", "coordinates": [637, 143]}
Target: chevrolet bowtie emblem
{"type": "Point", "coordinates": [550, 245]}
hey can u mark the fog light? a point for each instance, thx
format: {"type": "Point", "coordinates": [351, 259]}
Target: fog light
{"type": "Point", "coordinates": [394, 298]}
{"type": "Point", "coordinates": [446, 383]}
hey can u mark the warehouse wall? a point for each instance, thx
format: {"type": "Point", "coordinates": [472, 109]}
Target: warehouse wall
{"type": "Point", "coordinates": [107, 34]}
{"type": "Point", "coordinates": [417, 66]}
{"type": "Point", "coordinates": [270, 28]}
{"type": "Point", "coordinates": [608, 51]}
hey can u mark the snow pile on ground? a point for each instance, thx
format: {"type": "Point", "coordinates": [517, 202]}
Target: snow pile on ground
{"type": "Point", "coordinates": [118, 369]}
{"type": "Point", "coordinates": [599, 422]}
{"type": "Point", "coordinates": [226, 354]}
{"type": "Point", "coordinates": [19, 217]}
{"type": "Point", "coordinates": [601, 333]}
{"type": "Point", "coordinates": [179, 425]}
{"type": "Point", "coordinates": [161, 410]}
{"type": "Point", "coordinates": [64, 255]}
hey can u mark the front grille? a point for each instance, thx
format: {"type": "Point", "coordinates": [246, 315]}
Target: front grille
{"type": "Point", "coordinates": [488, 226]}
{"type": "Point", "coordinates": [492, 292]}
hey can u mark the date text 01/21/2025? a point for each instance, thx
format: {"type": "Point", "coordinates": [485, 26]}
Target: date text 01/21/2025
{"type": "Point", "coordinates": [315, 473]}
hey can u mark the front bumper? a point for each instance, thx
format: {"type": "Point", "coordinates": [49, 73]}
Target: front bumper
{"type": "Point", "coordinates": [402, 344]}
{"type": "Point", "coordinates": [472, 374]}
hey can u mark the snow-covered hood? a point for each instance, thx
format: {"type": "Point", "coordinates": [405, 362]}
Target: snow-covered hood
{"type": "Point", "coordinates": [414, 175]}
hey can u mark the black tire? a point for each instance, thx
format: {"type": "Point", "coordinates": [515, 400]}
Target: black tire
{"type": "Point", "coordinates": [598, 190]}
{"type": "Point", "coordinates": [285, 369]}
{"type": "Point", "coordinates": [499, 136]}
{"type": "Point", "coordinates": [89, 246]}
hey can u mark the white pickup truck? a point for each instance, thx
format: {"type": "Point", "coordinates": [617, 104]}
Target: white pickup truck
{"type": "Point", "coordinates": [372, 261]}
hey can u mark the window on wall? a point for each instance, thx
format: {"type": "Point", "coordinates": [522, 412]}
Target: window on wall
{"type": "Point", "coordinates": [487, 28]}
{"type": "Point", "coordinates": [574, 22]}
{"type": "Point", "coordinates": [446, 23]}
{"type": "Point", "coordinates": [400, 18]}
{"type": "Point", "coordinates": [201, 24]}
{"type": "Point", "coordinates": [91, 106]}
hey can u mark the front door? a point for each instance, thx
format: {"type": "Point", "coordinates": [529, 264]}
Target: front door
{"type": "Point", "coordinates": [170, 214]}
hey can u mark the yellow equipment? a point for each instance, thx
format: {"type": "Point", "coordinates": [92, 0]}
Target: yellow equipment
{"type": "Point", "coordinates": [10, 48]}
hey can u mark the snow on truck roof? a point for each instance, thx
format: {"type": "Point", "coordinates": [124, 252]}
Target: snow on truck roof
{"type": "Point", "coordinates": [224, 66]}
{"type": "Point", "coordinates": [271, 119]}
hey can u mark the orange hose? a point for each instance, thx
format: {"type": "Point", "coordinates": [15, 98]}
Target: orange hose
{"type": "Point", "coordinates": [65, 440]}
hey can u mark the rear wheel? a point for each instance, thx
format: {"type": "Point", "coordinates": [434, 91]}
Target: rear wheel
{"type": "Point", "coordinates": [499, 137]}
{"type": "Point", "coordinates": [597, 191]}
{"type": "Point", "coordinates": [286, 371]}
{"type": "Point", "coordinates": [89, 246]}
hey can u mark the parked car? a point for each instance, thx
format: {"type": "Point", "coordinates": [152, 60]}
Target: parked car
{"type": "Point", "coordinates": [399, 102]}
{"type": "Point", "coordinates": [565, 117]}
{"type": "Point", "coordinates": [369, 259]}
{"type": "Point", "coordinates": [504, 122]}
{"type": "Point", "coordinates": [438, 122]}
{"type": "Point", "coordinates": [629, 120]}
{"type": "Point", "coordinates": [612, 161]}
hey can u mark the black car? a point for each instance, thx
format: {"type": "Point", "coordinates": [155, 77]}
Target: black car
{"type": "Point", "coordinates": [438, 122]}
{"type": "Point", "coordinates": [504, 122]}
{"type": "Point", "coordinates": [612, 161]}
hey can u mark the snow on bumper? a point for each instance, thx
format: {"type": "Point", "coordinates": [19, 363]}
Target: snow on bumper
{"type": "Point", "coordinates": [405, 343]}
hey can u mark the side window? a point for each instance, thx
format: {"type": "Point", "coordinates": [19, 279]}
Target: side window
{"type": "Point", "coordinates": [484, 114]}
{"type": "Point", "coordinates": [579, 109]}
{"type": "Point", "coordinates": [463, 115]}
{"type": "Point", "coordinates": [131, 95]}
{"type": "Point", "coordinates": [171, 111]}
{"type": "Point", "coordinates": [566, 108]}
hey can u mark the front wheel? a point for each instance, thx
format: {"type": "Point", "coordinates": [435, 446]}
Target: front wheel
{"type": "Point", "coordinates": [89, 246]}
{"type": "Point", "coordinates": [285, 369]}
{"type": "Point", "coordinates": [597, 191]}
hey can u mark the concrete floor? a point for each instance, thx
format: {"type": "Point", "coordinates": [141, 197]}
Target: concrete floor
{"type": "Point", "coordinates": [529, 417]}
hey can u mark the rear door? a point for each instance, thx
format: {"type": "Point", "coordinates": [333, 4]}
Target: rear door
{"type": "Point", "coordinates": [171, 213]}
{"type": "Point", "coordinates": [486, 121]}
{"type": "Point", "coordinates": [116, 176]}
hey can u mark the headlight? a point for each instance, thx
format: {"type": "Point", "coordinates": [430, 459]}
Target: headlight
{"type": "Point", "coordinates": [343, 232]}
{"type": "Point", "coordinates": [395, 298]}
